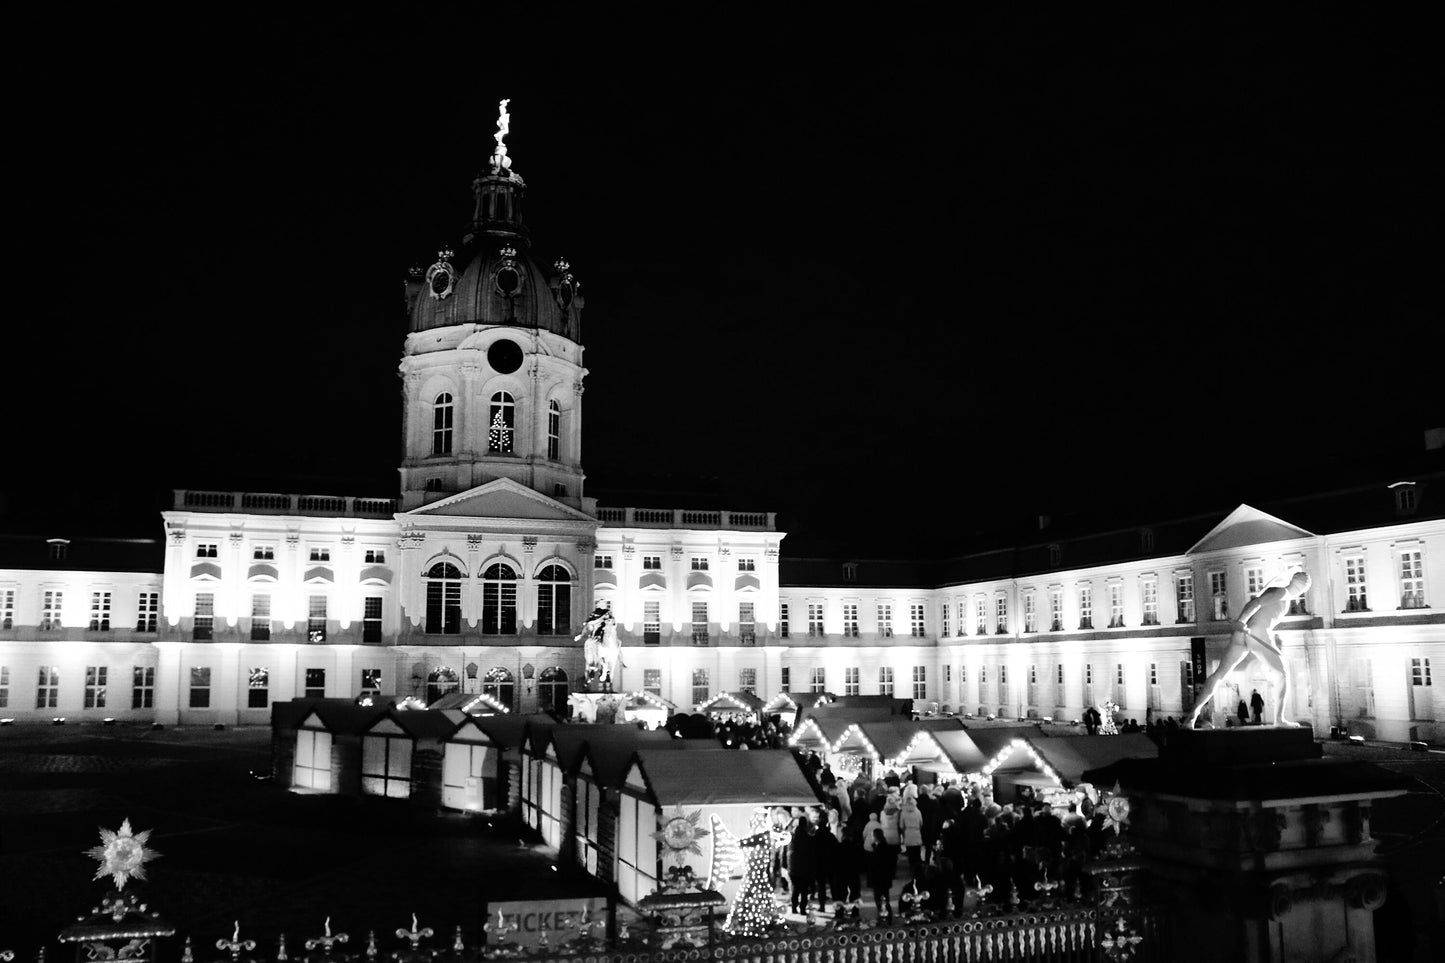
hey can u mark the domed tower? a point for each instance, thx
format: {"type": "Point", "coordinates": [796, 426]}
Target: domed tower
{"type": "Point", "coordinates": [492, 369]}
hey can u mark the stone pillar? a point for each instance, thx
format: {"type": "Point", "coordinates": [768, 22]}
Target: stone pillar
{"type": "Point", "coordinates": [169, 685]}
{"type": "Point", "coordinates": [1259, 848]}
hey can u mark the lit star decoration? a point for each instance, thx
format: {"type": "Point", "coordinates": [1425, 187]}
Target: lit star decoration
{"type": "Point", "coordinates": [1116, 810]}
{"type": "Point", "coordinates": [681, 834]}
{"type": "Point", "coordinates": [122, 854]}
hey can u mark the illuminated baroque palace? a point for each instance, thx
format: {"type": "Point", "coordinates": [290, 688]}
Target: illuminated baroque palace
{"type": "Point", "coordinates": [478, 577]}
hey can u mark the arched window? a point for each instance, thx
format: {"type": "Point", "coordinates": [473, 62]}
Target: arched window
{"type": "Point", "coordinates": [444, 599]}
{"type": "Point", "coordinates": [554, 430]}
{"type": "Point", "coordinates": [552, 691]}
{"type": "Point", "coordinates": [499, 600]}
{"type": "Point", "coordinates": [499, 685]}
{"type": "Point", "coordinates": [502, 419]}
{"type": "Point", "coordinates": [439, 682]}
{"type": "Point", "coordinates": [441, 425]}
{"type": "Point", "coordinates": [554, 601]}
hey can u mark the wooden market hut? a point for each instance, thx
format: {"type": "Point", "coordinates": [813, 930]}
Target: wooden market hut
{"type": "Point", "coordinates": [316, 743]}
{"type": "Point", "coordinates": [401, 755]}
{"type": "Point", "coordinates": [727, 703]}
{"type": "Point", "coordinates": [722, 797]}
{"type": "Point", "coordinates": [472, 776]}
{"type": "Point", "coordinates": [1072, 756]}
{"type": "Point", "coordinates": [560, 756]}
{"type": "Point", "coordinates": [785, 706]}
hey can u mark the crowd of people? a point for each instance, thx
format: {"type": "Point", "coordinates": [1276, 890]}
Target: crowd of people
{"type": "Point", "coordinates": [926, 851]}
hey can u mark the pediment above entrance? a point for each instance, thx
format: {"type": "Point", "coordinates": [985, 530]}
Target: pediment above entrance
{"type": "Point", "coordinates": [500, 498]}
{"type": "Point", "coordinates": [1247, 526]}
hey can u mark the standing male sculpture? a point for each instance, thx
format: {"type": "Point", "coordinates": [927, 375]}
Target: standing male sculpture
{"type": "Point", "coordinates": [1253, 636]}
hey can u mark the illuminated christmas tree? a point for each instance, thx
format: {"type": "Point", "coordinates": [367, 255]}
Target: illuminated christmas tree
{"type": "Point", "coordinates": [500, 436]}
{"type": "Point", "coordinates": [754, 911]}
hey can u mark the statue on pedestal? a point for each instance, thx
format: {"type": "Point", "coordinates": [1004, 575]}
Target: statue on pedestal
{"type": "Point", "coordinates": [1252, 636]}
{"type": "Point", "coordinates": [600, 650]}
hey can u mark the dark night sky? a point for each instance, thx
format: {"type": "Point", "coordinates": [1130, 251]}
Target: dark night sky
{"type": "Point", "coordinates": [923, 268]}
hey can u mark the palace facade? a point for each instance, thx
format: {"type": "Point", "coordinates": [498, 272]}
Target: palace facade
{"type": "Point", "coordinates": [479, 574]}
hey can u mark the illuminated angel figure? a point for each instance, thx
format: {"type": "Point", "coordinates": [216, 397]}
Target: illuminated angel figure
{"type": "Point", "coordinates": [122, 854]}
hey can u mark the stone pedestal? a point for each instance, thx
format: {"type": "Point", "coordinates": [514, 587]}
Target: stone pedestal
{"type": "Point", "coordinates": [602, 708]}
{"type": "Point", "coordinates": [1259, 848]}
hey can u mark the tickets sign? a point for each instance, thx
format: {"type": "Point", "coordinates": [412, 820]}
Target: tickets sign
{"type": "Point", "coordinates": [561, 919]}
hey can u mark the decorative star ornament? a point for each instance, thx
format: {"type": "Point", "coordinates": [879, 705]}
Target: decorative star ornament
{"type": "Point", "coordinates": [681, 834]}
{"type": "Point", "coordinates": [122, 854]}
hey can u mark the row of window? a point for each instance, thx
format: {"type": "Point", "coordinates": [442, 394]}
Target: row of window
{"type": "Point", "coordinates": [97, 678]}
{"type": "Point", "coordinates": [266, 552]}
{"type": "Point", "coordinates": [817, 681]}
{"type": "Point", "coordinates": [501, 424]}
{"type": "Point", "coordinates": [917, 620]}
{"type": "Point", "coordinates": [699, 563]}
{"type": "Point", "coordinates": [148, 608]}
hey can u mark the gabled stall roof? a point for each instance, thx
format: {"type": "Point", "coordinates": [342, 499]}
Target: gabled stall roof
{"type": "Point", "coordinates": [960, 751]}
{"type": "Point", "coordinates": [764, 777]}
{"type": "Point", "coordinates": [338, 716]}
{"type": "Point", "coordinates": [610, 759]}
{"type": "Point", "coordinates": [992, 739]}
{"type": "Point", "coordinates": [732, 701]}
{"type": "Point", "coordinates": [1072, 756]}
{"type": "Point", "coordinates": [572, 742]}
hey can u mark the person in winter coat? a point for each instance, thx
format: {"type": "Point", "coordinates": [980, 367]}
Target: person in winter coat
{"type": "Point", "coordinates": [801, 863]}
{"type": "Point", "coordinates": [848, 868]}
{"type": "Point", "coordinates": [889, 819]}
{"type": "Point", "coordinates": [882, 866]}
{"type": "Point", "coordinates": [825, 851]}
{"type": "Point", "coordinates": [869, 829]}
{"type": "Point", "coordinates": [910, 829]}
{"type": "Point", "coordinates": [932, 810]}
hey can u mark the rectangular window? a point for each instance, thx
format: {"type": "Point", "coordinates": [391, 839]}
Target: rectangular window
{"type": "Point", "coordinates": [1056, 610]}
{"type": "Point", "coordinates": [1420, 672]}
{"type": "Point", "coordinates": [1119, 674]}
{"type": "Point", "coordinates": [7, 608]}
{"type": "Point", "coordinates": [918, 627]}
{"type": "Point", "coordinates": [47, 687]}
{"type": "Point", "coordinates": [815, 619]}
{"type": "Point", "coordinates": [316, 618]}
{"type": "Point", "coordinates": [1089, 673]}
{"type": "Point", "coordinates": [375, 556]}
{"type": "Point", "coordinates": [783, 622]}
{"type": "Point", "coordinates": [148, 609]}
{"type": "Point", "coordinates": [699, 564]}
{"type": "Point", "coordinates": [95, 676]}
{"type": "Point", "coordinates": [850, 620]}
{"type": "Point", "coordinates": [651, 623]}
{"type": "Point", "coordinates": [885, 680]}
{"type": "Point", "coordinates": [554, 431]}
{"type": "Point", "coordinates": [263, 553]}
{"type": "Point", "coordinates": [1356, 599]}
{"type": "Point", "coordinates": [652, 681]}
{"type": "Point", "coordinates": [1031, 615]}
{"type": "Point", "coordinates": [748, 680]}
{"type": "Point", "coordinates": [1086, 607]}
{"type": "Point", "coordinates": [651, 562]}
{"type": "Point", "coordinates": [386, 766]}
{"type": "Point", "coordinates": [142, 687]}
{"type": "Point", "coordinates": [1253, 582]}
{"type": "Point", "coordinates": [50, 610]}
{"type": "Point", "coordinates": [602, 561]}
{"type": "Point", "coordinates": [4, 686]}
{"type": "Point", "coordinates": [554, 607]}
{"type": "Point", "coordinates": [206, 550]}
{"type": "Point", "coordinates": [205, 616]}
{"type": "Point", "coordinates": [260, 618]}
{"type": "Point", "coordinates": [1299, 605]}
{"type": "Point", "coordinates": [920, 682]}
{"type": "Point", "coordinates": [819, 682]}
{"type": "Point", "coordinates": [786, 675]}
{"type": "Point", "coordinates": [315, 684]}
{"type": "Point", "coordinates": [962, 676]}
{"type": "Point", "coordinates": [371, 620]}
{"type": "Point", "coordinates": [100, 611]}
{"type": "Point", "coordinates": [962, 618]}
{"type": "Point", "coordinates": [1153, 673]}
{"type": "Point", "coordinates": [699, 626]}
{"type": "Point", "coordinates": [885, 620]}
{"type": "Point", "coordinates": [1000, 614]}
{"type": "Point", "coordinates": [1412, 580]}
{"type": "Point", "coordinates": [1149, 591]}
{"type": "Point", "coordinates": [1116, 606]}
{"type": "Point", "coordinates": [1218, 596]}
{"type": "Point", "coordinates": [1184, 593]}
{"type": "Point", "coordinates": [258, 689]}
{"type": "Point", "coordinates": [444, 606]}
{"type": "Point", "coordinates": [943, 620]}
{"type": "Point", "coordinates": [499, 605]}
{"type": "Point", "coordinates": [850, 681]}
{"type": "Point", "coordinates": [747, 624]}
{"type": "Point", "coordinates": [699, 686]}
{"type": "Point", "coordinates": [200, 687]}
{"type": "Point", "coordinates": [747, 565]}
{"type": "Point", "coordinates": [981, 616]}
{"type": "Point", "coordinates": [320, 553]}
{"type": "Point", "coordinates": [982, 679]}
{"type": "Point", "coordinates": [1059, 674]}
{"type": "Point", "coordinates": [370, 680]}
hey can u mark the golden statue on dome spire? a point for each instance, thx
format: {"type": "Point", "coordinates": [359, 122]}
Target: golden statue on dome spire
{"type": "Point", "coordinates": [500, 160]}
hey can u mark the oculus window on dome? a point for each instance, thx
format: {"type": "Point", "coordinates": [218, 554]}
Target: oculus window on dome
{"type": "Point", "coordinates": [441, 276]}
{"type": "Point", "coordinates": [504, 356]}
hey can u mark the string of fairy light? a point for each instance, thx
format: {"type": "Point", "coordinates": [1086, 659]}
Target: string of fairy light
{"type": "Point", "coordinates": [919, 746]}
